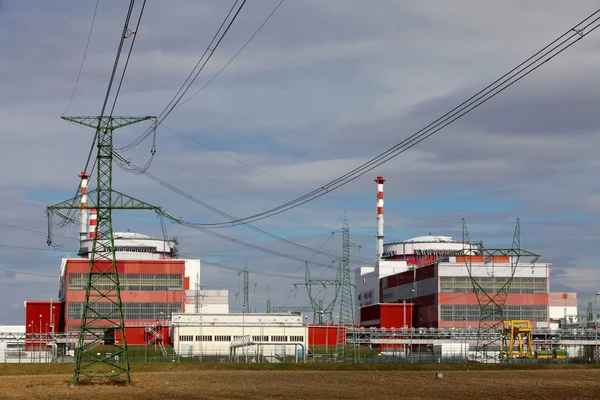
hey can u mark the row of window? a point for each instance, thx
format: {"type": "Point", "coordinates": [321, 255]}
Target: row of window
{"type": "Point", "coordinates": [471, 312]}
{"type": "Point", "coordinates": [131, 282]}
{"type": "Point", "coordinates": [130, 310]}
{"type": "Point", "coordinates": [227, 338]}
{"type": "Point", "coordinates": [366, 295]}
{"type": "Point", "coordinates": [463, 284]}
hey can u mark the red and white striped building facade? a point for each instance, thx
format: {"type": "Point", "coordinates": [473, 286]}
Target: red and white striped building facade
{"type": "Point", "coordinates": [419, 271]}
{"type": "Point", "coordinates": [442, 292]}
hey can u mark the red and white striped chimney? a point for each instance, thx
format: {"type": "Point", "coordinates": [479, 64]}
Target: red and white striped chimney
{"type": "Point", "coordinates": [380, 235]}
{"type": "Point", "coordinates": [93, 223]}
{"type": "Point", "coordinates": [83, 230]}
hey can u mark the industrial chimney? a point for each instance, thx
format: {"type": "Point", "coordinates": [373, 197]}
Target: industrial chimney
{"type": "Point", "coordinates": [83, 230]}
{"type": "Point", "coordinates": [380, 235]}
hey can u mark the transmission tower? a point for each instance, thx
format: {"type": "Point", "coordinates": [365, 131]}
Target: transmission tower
{"type": "Point", "coordinates": [320, 313]}
{"type": "Point", "coordinates": [346, 297]}
{"type": "Point", "coordinates": [291, 309]}
{"type": "Point", "coordinates": [102, 317]}
{"type": "Point", "coordinates": [246, 306]}
{"type": "Point", "coordinates": [491, 297]}
{"type": "Point", "coordinates": [198, 295]}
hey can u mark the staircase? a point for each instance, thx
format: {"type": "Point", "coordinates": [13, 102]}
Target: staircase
{"type": "Point", "coordinates": [155, 336]}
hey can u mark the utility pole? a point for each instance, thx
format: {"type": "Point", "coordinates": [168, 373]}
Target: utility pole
{"type": "Point", "coordinates": [102, 313]}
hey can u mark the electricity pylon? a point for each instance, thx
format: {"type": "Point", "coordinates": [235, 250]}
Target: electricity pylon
{"type": "Point", "coordinates": [102, 318]}
{"type": "Point", "coordinates": [246, 289]}
{"type": "Point", "coordinates": [346, 297]}
{"type": "Point", "coordinates": [319, 311]}
{"type": "Point", "coordinates": [491, 297]}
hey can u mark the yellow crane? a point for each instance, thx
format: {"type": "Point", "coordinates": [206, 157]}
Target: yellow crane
{"type": "Point", "coordinates": [513, 332]}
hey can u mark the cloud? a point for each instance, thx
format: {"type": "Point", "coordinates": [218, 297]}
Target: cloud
{"type": "Point", "coordinates": [325, 86]}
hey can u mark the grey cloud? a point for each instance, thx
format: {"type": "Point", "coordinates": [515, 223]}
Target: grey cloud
{"type": "Point", "coordinates": [325, 86]}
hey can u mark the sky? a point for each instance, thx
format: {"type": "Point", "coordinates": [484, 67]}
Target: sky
{"type": "Point", "coordinates": [323, 87]}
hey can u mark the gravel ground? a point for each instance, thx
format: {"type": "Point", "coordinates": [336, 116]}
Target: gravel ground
{"type": "Point", "coordinates": [497, 385]}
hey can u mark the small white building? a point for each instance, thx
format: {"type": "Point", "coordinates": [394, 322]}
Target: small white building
{"type": "Point", "coordinates": [255, 336]}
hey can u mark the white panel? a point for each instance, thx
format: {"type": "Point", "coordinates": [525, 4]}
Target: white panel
{"type": "Point", "coordinates": [387, 268]}
{"type": "Point", "coordinates": [558, 312]}
{"type": "Point", "coordinates": [192, 270]}
{"type": "Point", "coordinates": [480, 269]}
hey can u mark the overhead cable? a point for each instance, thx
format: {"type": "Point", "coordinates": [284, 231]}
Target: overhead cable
{"type": "Point", "coordinates": [124, 35]}
{"type": "Point", "coordinates": [189, 81]}
{"type": "Point", "coordinates": [547, 53]}
{"type": "Point", "coordinates": [223, 214]}
{"type": "Point", "coordinates": [87, 45]}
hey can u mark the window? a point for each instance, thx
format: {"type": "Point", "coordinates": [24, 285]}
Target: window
{"type": "Point", "coordinates": [470, 312]}
{"type": "Point", "coordinates": [279, 338]}
{"type": "Point", "coordinates": [260, 338]}
{"type": "Point", "coordinates": [204, 338]}
{"type": "Point", "coordinates": [186, 338]}
{"type": "Point", "coordinates": [130, 310]}
{"type": "Point", "coordinates": [296, 338]}
{"type": "Point", "coordinates": [463, 284]}
{"type": "Point", "coordinates": [222, 338]}
{"type": "Point", "coordinates": [141, 282]}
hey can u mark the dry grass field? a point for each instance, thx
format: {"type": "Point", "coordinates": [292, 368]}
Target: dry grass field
{"type": "Point", "coordinates": [224, 383]}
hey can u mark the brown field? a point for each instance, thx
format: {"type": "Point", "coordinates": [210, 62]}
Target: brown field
{"type": "Point", "coordinates": [390, 382]}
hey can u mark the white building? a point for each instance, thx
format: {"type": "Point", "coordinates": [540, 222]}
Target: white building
{"type": "Point", "coordinates": [261, 336]}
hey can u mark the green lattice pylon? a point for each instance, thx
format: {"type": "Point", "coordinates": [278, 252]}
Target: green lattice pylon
{"type": "Point", "coordinates": [492, 291]}
{"type": "Point", "coordinates": [347, 316]}
{"type": "Point", "coordinates": [101, 351]}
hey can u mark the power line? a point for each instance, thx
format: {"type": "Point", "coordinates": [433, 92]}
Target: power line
{"type": "Point", "coordinates": [254, 228]}
{"type": "Point", "coordinates": [27, 273]}
{"type": "Point", "coordinates": [556, 47]}
{"type": "Point", "coordinates": [124, 35]}
{"type": "Point", "coordinates": [87, 44]}
{"type": "Point", "coordinates": [206, 56]}
{"type": "Point", "coordinates": [234, 56]}
{"type": "Point", "coordinates": [33, 230]}
{"type": "Point", "coordinates": [128, 33]}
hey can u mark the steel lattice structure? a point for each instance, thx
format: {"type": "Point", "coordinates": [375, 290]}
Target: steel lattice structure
{"type": "Point", "coordinates": [291, 309]}
{"type": "Point", "coordinates": [319, 311]}
{"type": "Point", "coordinates": [346, 296]}
{"type": "Point", "coordinates": [102, 321]}
{"type": "Point", "coordinates": [491, 303]}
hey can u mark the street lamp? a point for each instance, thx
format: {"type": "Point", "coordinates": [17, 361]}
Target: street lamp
{"type": "Point", "coordinates": [596, 326]}
{"type": "Point", "coordinates": [40, 342]}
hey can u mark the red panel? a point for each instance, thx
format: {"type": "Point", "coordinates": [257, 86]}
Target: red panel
{"type": "Point", "coordinates": [168, 266]}
{"type": "Point", "coordinates": [37, 317]}
{"type": "Point", "coordinates": [511, 299]}
{"type": "Point", "coordinates": [386, 315]}
{"type": "Point", "coordinates": [323, 335]}
{"type": "Point", "coordinates": [392, 315]}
